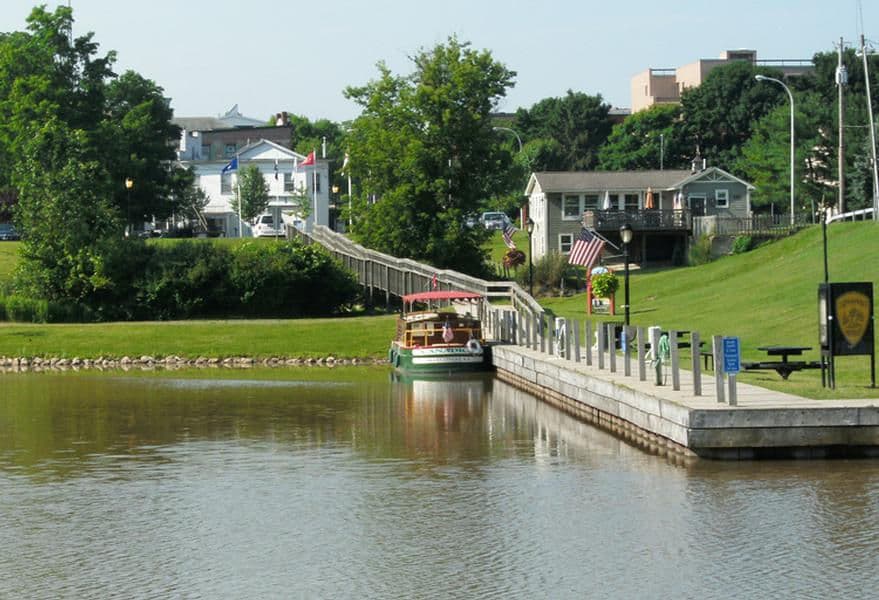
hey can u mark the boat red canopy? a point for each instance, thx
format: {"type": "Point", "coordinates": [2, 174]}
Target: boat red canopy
{"type": "Point", "coordinates": [440, 295]}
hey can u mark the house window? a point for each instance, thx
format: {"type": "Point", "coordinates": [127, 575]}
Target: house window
{"type": "Point", "coordinates": [721, 198]}
{"type": "Point", "coordinates": [289, 185]}
{"type": "Point", "coordinates": [574, 205]}
{"type": "Point", "coordinates": [566, 240]}
{"type": "Point", "coordinates": [632, 202]}
{"type": "Point", "coordinates": [571, 208]}
{"type": "Point", "coordinates": [229, 150]}
{"type": "Point", "coordinates": [226, 183]}
{"type": "Point", "coordinates": [317, 182]}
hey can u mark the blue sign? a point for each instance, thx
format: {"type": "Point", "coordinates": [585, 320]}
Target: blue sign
{"type": "Point", "coordinates": [731, 360]}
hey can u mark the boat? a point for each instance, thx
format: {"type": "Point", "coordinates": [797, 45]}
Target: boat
{"type": "Point", "coordinates": [440, 332]}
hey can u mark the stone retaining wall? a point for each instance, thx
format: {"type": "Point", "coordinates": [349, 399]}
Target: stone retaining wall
{"type": "Point", "coordinates": [20, 363]}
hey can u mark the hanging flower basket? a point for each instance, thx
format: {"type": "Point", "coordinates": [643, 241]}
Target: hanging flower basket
{"type": "Point", "coordinates": [604, 285]}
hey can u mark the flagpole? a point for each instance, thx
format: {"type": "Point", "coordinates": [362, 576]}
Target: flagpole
{"type": "Point", "coordinates": [314, 189]}
{"type": "Point", "coordinates": [238, 188]}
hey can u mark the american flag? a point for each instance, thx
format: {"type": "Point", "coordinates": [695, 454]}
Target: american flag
{"type": "Point", "coordinates": [509, 230]}
{"type": "Point", "coordinates": [586, 249]}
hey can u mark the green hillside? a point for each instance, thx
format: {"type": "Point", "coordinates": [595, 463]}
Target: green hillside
{"type": "Point", "coordinates": [766, 296]}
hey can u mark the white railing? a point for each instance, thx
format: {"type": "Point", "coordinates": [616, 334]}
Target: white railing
{"type": "Point", "coordinates": [378, 272]}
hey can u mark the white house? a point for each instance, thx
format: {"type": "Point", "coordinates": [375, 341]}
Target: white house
{"type": "Point", "coordinates": [298, 194]}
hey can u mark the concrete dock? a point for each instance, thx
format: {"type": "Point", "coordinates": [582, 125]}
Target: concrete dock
{"type": "Point", "coordinates": [763, 424]}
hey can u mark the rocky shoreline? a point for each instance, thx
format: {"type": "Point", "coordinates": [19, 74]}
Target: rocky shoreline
{"type": "Point", "coordinates": [21, 364]}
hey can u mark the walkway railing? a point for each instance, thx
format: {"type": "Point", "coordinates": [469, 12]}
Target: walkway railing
{"type": "Point", "coordinates": [385, 275]}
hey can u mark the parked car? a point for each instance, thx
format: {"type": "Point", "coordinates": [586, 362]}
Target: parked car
{"type": "Point", "coordinates": [8, 232]}
{"type": "Point", "coordinates": [494, 220]}
{"type": "Point", "coordinates": [471, 221]}
{"type": "Point", "coordinates": [265, 227]}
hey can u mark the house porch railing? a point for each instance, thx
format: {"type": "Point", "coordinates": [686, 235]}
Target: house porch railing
{"type": "Point", "coordinates": [640, 220]}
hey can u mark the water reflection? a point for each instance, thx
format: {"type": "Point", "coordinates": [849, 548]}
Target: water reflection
{"type": "Point", "coordinates": [197, 487]}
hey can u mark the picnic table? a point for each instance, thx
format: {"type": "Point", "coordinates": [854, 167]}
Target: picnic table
{"type": "Point", "coordinates": [783, 367]}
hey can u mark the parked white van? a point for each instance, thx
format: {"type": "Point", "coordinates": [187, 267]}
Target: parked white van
{"type": "Point", "coordinates": [265, 227]}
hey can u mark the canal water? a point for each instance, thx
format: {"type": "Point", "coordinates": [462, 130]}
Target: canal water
{"type": "Point", "coordinates": [243, 485]}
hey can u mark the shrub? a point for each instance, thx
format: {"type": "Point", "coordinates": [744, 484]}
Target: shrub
{"type": "Point", "coordinates": [185, 279]}
{"type": "Point", "coordinates": [289, 279]}
{"type": "Point", "coordinates": [700, 251]}
{"type": "Point", "coordinates": [742, 244]}
{"type": "Point", "coordinates": [25, 310]}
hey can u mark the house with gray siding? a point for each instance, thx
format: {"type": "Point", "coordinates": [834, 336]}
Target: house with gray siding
{"type": "Point", "coordinates": [659, 205]}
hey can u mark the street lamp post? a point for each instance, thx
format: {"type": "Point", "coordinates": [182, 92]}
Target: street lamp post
{"type": "Point", "coordinates": [626, 236]}
{"type": "Point", "coordinates": [518, 139]}
{"type": "Point", "coordinates": [792, 145]}
{"type": "Point", "coordinates": [129, 183]}
{"type": "Point", "coordinates": [529, 227]}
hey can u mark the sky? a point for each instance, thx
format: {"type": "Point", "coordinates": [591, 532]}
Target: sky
{"type": "Point", "coordinates": [299, 56]}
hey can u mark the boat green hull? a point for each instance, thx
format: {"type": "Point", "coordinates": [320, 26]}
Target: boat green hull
{"type": "Point", "coordinates": [429, 360]}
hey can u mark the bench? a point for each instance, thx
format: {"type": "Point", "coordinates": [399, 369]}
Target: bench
{"type": "Point", "coordinates": [783, 367]}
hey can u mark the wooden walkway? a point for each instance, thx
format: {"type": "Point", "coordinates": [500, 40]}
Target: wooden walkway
{"type": "Point", "coordinates": [387, 278]}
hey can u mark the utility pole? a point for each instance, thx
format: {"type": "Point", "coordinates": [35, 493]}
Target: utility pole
{"type": "Point", "coordinates": [841, 81]}
{"type": "Point", "coordinates": [872, 132]}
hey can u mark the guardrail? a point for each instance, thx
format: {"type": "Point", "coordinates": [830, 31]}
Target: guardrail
{"type": "Point", "coordinates": [863, 214]}
{"type": "Point", "coordinates": [378, 272]}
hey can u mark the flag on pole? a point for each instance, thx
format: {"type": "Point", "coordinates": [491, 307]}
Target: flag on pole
{"type": "Point", "coordinates": [586, 249]}
{"type": "Point", "coordinates": [309, 160]}
{"type": "Point", "coordinates": [508, 232]}
{"type": "Point", "coordinates": [345, 162]}
{"type": "Point", "coordinates": [232, 166]}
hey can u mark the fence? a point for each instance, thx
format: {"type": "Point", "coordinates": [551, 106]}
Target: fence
{"type": "Point", "coordinates": [639, 349]}
{"type": "Point", "coordinates": [382, 274]}
{"type": "Point", "coordinates": [771, 225]}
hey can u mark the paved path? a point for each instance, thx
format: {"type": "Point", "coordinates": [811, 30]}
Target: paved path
{"type": "Point", "coordinates": [762, 419]}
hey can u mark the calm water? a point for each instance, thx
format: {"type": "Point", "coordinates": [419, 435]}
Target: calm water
{"type": "Point", "coordinates": [132, 487]}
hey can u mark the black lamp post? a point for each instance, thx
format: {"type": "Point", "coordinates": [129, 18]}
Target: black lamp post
{"type": "Point", "coordinates": [529, 227]}
{"type": "Point", "coordinates": [129, 183]}
{"type": "Point", "coordinates": [626, 235]}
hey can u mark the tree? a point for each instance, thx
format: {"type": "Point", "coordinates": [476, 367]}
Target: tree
{"type": "Point", "coordinates": [649, 139]}
{"type": "Point", "coordinates": [252, 193]}
{"type": "Point", "coordinates": [425, 154]}
{"type": "Point", "coordinates": [64, 208]}
{"type": "Point", "coordinates": [719, 114]}
{"type": "Point", "coordinates": [765, 157]}
{"type": "Point", "coordinates": [47, 74]}
{"type": "Point", "coordinates": [578, 122]}
{"type": "Point", "coordinates": [139, 145]}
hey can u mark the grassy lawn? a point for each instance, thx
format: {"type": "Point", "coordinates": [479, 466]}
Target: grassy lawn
{"type": "Point", "coordinates": [766, 296]}
{"type": "Point", "coordinates": [358, 337]}
{"type": "Point", "coordinates": [8, 259]}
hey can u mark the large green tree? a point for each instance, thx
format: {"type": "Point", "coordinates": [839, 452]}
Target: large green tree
{"type": "Point", "coordinates": [649, 139]}
{"type": "Point", "coordinates": [719, 115]}
{"type": "Point", "coordinates": [139, 145]}
{"type": "Point", "coordinates": [47, 74]}
{"type": "Point", "coordinates": [578, 122]}
{"type": "Point", "coordinates": [425, 154]}
{"type": "Point", "coordinates": [65, 210]}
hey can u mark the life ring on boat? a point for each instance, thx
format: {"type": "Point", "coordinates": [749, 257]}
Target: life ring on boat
{"type": "Point", "coordinates": [473, 346]}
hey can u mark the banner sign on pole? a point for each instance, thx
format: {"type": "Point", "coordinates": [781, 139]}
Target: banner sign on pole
{"type": "Point", "coordinates": [731, 355]}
